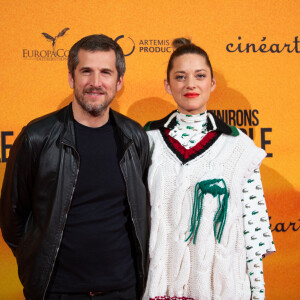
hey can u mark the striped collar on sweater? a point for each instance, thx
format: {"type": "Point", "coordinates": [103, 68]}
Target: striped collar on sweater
{"type": "Point", "coordinates": [213, 124]}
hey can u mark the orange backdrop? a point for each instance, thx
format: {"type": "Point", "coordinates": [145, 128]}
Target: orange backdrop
{"type": "Point", "coordinates": [254, 49]}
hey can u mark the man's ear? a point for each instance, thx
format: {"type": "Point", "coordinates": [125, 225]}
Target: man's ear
{"type": "Point", "coordinates": [71, 80]}
{"type": "Point", "coordinates": [120, 83]}
{"type": "Point", "coordinates": [167, 87]}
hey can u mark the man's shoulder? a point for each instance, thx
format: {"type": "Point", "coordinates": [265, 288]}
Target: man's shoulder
{"type": "Point", "coordinates": [168, 121]}
{"type": "Point", "coordinates": [128, 126]}
{"type": "Point", "coordinates": [44, 124]}
{"type": "Point", "coordinates": [132, 130]}
{"type": "Point", "coordinates": [124, 120]}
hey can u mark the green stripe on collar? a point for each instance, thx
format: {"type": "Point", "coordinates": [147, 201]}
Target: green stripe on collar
{"type": "Point", "coordinates": [147, 126]}
{"type": "Point", "coordinates": [234, 130]}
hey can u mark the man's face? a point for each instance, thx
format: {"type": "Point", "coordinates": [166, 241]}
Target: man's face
{"type": "Point", "coordinates": [95, 81]}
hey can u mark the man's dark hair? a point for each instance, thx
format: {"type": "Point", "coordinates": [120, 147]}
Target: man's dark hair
{"type": "Point", "coordinates": [93, 43]}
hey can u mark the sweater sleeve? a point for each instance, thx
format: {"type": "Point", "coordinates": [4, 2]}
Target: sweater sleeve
{"type": "Point", "coordinates": [257, 232]}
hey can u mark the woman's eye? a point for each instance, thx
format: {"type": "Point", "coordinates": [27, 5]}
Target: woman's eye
{"type": "Point", "coordinates": [201, 75]}
{"type": "Point", "coordinates": [180, 77]}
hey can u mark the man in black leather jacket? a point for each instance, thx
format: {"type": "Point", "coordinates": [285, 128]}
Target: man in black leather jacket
{"type": "Point", "coordinates": [73, 204]}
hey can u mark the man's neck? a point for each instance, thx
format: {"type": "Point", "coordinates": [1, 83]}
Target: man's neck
{"type": "Point", "coordinates": [85, 118]}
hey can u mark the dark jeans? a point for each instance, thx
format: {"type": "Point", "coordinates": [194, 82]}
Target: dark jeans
{"type": "Point", "coordinates": [125, 294]}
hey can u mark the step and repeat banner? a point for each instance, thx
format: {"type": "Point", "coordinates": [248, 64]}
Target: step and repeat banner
{"type": "Point", "coordinates": [254, 47]}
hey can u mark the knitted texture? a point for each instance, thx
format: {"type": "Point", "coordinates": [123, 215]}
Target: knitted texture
{"type": "Point", "coordinates": [206, 269]}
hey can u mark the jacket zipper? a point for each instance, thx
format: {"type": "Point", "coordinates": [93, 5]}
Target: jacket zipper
{"type": "Point", "coordinates": [64, 225]}
{"type": "Point", "coordinates": [131, 207]}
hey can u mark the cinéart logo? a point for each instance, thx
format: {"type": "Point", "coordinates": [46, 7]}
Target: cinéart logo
{"type": "Point", "coordinates": [54, 53]}
{"type": "Point", "coordinates": [264, 46]}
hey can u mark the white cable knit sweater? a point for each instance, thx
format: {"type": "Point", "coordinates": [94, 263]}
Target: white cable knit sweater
{"type": "Point", "coordinates": [208, 269]}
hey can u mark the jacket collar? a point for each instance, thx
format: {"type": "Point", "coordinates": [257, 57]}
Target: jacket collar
{"type": "Point", "coordinates": [68, 136]}
{"type": "Point", "coordinates": [117, 121]}
{"type": "Point", "coordinates": [213, 124]}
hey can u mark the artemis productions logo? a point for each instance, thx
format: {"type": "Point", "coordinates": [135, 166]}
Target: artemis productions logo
{"type": "Point", "coordinates": [147, 46]}
{"type": "Point", "coordinates": [54, 54]}
{"type": "Point", "coordinates": [128, 45]}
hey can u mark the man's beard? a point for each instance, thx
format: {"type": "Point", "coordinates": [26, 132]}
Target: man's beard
{"type": "Point", "coordinates": [96, 109]}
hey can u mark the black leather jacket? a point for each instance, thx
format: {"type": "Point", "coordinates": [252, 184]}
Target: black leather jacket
{"type": "Point", "coordinates": [38, 187]}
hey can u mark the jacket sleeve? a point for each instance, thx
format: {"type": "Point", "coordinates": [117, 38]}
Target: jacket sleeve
{"type": "Point", "coordinates": [15, 201]}
{"type": "Point", "coordinates": [144, 153]}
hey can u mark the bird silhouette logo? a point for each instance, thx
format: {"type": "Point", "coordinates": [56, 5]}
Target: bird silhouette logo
{"type": "Point", "coordinates": [54, 39]}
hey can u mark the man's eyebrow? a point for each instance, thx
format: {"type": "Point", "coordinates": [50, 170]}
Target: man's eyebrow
{"type": "Point", "coordinates": [101, 70]}
{"type": "Point", "coordinates": [106, 70]}
{"type": "Point", "coordinates": [85, 69]}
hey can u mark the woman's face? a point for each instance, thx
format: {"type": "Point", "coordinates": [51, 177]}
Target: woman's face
{"type": "Point", "coordinates": [190, 83]}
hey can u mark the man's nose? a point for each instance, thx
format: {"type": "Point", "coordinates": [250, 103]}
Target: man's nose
{"type": "Point", "coordinates": [96, 80]}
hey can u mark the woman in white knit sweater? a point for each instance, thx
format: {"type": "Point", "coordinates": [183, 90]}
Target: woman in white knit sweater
{"type": "Point", "coordinates": [209, 223]}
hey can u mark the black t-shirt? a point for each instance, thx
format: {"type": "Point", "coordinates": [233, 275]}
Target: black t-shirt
{"type": "Point", "coordinates": [95, 252]}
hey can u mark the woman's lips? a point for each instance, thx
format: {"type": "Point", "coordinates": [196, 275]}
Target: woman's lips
{"type": "Point", "coordinates": [191, 95]}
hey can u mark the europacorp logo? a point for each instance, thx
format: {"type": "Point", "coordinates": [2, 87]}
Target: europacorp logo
{"type": "Point", "coordinates": [147, 46]}
{"type": "Point", "coordinates": [55, 53]}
